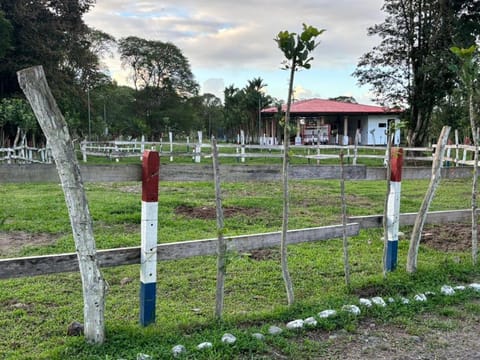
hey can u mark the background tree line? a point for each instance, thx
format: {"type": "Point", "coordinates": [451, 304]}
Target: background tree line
{"type": "Point", "coordinates": [412, 67]}
{"type": "Point", "coordinates": [164, 97]}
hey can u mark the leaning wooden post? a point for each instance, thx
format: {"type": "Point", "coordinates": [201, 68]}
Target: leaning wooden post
{"type": "Point", "coordinates": [393, 207]}
{"type": "Point", "coordinates": [34, 85]}
{"type": "Point", "coordinates": [149, 230]}
{"type": "Point", "coordinates": [422, 213]}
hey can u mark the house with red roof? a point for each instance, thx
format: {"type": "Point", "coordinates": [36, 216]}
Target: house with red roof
{"type": "Point", "coordinates": [332, 122]}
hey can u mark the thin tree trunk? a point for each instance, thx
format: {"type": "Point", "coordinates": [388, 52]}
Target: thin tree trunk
{"type": "Point", "coordinates": [35, 87]}
{"type": "Point", "coordinates": [221, 245]}
{"type": "Point", "coordinates": [346, 261]}
{"type": "Point", "coordinates": [474, 205]}
{"type": "Point", "coordinates": [283, 242]}
{"type": "Point", "coordinates": [422, 213]}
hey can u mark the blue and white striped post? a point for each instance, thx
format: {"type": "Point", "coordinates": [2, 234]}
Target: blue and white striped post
{"type": "Point", "coordinates": [393, 207]}
{"type": "Point", "coordinates": [149, 225]}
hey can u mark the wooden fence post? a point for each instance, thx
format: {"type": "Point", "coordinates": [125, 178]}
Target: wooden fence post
{"type": "Point", "coordinates": [34, 85]}
{"type": "Point", "coordinates": [149, 229]}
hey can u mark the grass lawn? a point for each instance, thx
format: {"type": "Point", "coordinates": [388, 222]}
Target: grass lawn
{"type": "Point", "coordinates": [35, 312]}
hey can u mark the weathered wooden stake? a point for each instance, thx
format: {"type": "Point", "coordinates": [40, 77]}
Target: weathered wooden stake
{"type": "Point", "coordinates": [221, 244]}
{"type": "Point", "coordinates": [34, 85]}
{"type": "Point", "coordinates": [149, 230]}
{"type": "Point", "coordinates": [422, 213]}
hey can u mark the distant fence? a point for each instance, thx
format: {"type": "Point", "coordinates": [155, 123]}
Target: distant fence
{"type": "Point", "coordinates": [456, 154]}
{"type": "Point", "coordinates": [51, 264]}
{"type": "Point", "coordinates": [24, 154]}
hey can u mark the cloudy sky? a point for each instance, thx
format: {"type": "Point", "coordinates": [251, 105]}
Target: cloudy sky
{"type": "Point", "coordinates": [230, 42]}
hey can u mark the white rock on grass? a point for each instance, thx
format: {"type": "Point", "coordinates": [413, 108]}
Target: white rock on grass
{"type": "Point", "coordinates": [258, 336]}
{"type": "Point", "coordinates": [365, 302]}
{"type": "Point", "coordinates": [405, 301]}
{"type": "Point", "coordinates": [391, 300]}
{"type": "Point", "coordinates": [474, 286]}
{"type": "Point", "coordinates": [353, 309]}
{"type": "Point", "coordinates": [274, 330]}
{"type": "Point", "coordinates": [310, 321]}
{"type": "Point", "coordinates": [420, 297]}
{"type": "Point", "coordinates": [141, 356]}
{"type": "Point", "coordinates": [459, 287]}
{"type": "Point", "coordinates": [326, 314]}
{"type": "Point", "coordinates": [447, 290]}
{"type": "Point", "coordinates": [204, 345]}
{"type": "Point", "coordinates": [228, 338]}
{"type": "Point", "coordinates": [178, 350]}
{"type": "Point", "coordinates": [295, 324]}
{"type": "Point", "coordinates": [377, 300]}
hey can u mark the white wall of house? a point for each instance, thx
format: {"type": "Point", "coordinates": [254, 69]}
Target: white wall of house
{"type": "Point", "coordinates": [375, 130]}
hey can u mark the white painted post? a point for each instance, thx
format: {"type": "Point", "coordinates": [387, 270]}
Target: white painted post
{"type": "Point", "coordinates": [393, 207]}
{"type": "Point", "coordinates": [170, 139]}
{"type": "Point", "coordinates": [198, 148]}
{"type": "Point", "coordinates": [456, 148]}
{"type": "Point", "coordinates": [83, 147]}
{"type": "Point", "coordinates": [242, 139]}
{"type": "Point", "coordinates": [149, 229]}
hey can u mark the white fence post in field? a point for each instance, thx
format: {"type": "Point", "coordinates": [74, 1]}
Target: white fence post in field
{"type": "Point", "coordinates": [170, 139]}
{"type": "Point", "coordinates": [242, 139]}
{"type": "Point", "coordinates": [149, 228]}
{"type": "Point", "coordinates": [456, 148]}
{"type": "Point", "coordinates": [83, 148]}
{"type": "Point", "coordinates": [393, 208]}
{"type": "Point", "coordinates": [198, 148]}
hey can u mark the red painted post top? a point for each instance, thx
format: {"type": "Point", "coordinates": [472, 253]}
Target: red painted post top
{"type": "Point", "coordinates": [150, 175]}
{"type": "Point", "coordinates": [396, 163]}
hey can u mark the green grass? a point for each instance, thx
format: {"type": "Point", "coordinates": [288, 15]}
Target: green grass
{"type": "Point", "coordinates": [35, 312]}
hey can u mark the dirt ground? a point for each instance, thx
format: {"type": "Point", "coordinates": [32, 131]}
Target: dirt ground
{"type": "Point", "coordinates": [440, 337]}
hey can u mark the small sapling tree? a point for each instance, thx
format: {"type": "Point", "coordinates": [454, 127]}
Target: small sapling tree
{"type": "Point", "coordinates": [297, 49]}
{"type": "Point", "coordinates": [469, 72]}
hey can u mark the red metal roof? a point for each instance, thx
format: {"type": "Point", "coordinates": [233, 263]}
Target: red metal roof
{"type": "Point", "coordinates": [332, 107]}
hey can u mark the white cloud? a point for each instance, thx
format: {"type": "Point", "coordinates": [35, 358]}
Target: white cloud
{"type": "Point", "coordinates": [227, 36]}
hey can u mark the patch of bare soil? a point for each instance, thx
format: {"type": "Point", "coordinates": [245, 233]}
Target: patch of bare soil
{"type": "Point", "coordinates": [448, 237]}
{"type": "Point", "coordinates": [210, 212]}
{"type": "Point", "coordinates": [13, 241]}
{"type": "Point", "coordinates": [432, 337]}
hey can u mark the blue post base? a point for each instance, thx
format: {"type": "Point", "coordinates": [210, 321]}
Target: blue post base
{"type": "Point", "coordinates": [392, 250]}
{"type": "Point", "coordinates": [148, 295]}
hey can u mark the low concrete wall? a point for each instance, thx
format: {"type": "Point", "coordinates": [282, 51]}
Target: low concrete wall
{"type": "Point", "coordinates": [34, 173]}
{"type": "Point", "coordinates": [38, 173]}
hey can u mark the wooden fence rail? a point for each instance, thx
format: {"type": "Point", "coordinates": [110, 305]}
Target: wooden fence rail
{"type": "Point", "coordinates": [51, 264]}
{"type": "Point", "coordinates": [456, 154]}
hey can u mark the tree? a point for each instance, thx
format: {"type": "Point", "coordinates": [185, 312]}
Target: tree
{"type": "Point", "coordinates": [54, 34]}
{"type": "Point", "coordinates": [254, 101]}
{"type": "Point", "coordinates": [411, 65]}
{"type": "Point", "coordinates": [234, 114]}
{"type": "Point", "coordinates": [157, 65]}
{"type": "Point", "coordinates": [16, 116]}
{"type": "Point", "coordinates": [6, 30]}
{"type": "Point", "coordinates": [164, 82]}
{"type": "Point", "coordinates": [469, 75]}
{"type": "Point", "coordinates": [296, 49]}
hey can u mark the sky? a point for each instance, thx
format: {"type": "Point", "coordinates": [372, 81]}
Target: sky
{"type": "Point", "coordinates": [231, 42]}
